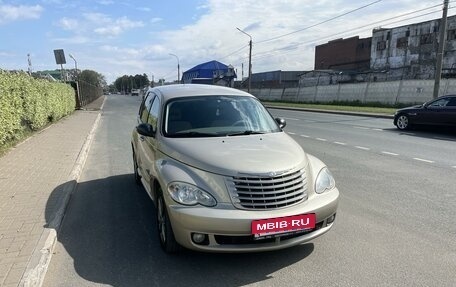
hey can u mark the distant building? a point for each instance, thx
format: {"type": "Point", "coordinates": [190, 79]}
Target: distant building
{"type": "Point", "coordinates": [274, 79]}
{"type": "Point", "coordinates": [410, 51]}
{"type": "Point", "coordinates": [212, 72]}
{"type": "Point", "coordinates": [344, 54]}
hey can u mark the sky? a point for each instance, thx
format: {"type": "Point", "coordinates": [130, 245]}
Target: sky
{"type": "Point", "coordinates": [130, 37]}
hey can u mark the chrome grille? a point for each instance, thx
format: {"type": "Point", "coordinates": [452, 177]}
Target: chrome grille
{"type": "Point", "coordinates": [268, 192]}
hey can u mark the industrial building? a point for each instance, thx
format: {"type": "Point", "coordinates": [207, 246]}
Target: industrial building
{"type": "Point", "coordinates": [401, 53]}
{"type": "Point", "coordinates": [344, 54]}
{"type": "Point", "coordinates": [213, 72]}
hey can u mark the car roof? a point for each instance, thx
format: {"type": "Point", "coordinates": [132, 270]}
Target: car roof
{"type": "Point", "coordinates": [193, 90]}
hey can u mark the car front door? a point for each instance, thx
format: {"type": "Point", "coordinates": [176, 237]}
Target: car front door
{"type": "Point", "coordinates": [434, 112]}
{"type": "Point", "coordinates": [450, 112]}
{"type": "Point", "coordinates": [148, 145]}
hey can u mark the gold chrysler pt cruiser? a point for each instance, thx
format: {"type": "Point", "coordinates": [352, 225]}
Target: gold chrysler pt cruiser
{"type": "Point", "coordinates": [223, 175]}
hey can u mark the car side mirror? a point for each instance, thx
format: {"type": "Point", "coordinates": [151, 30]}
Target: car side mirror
{"type": "Point", "coordinates": [146, 130]}
{"type": "Point", "coordinates": [281, 122]}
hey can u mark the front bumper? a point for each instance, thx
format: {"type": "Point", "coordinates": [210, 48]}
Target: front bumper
{"type": "Point", "coordinates": [229, 230]}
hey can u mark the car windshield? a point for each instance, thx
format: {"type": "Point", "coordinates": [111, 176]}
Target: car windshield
{"type": "Point", "coordinates": [215, 116]}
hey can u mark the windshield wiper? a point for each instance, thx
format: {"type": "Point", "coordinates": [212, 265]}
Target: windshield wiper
{"type": "Point", "coordinates": [245, 133]}
{"type": "Point", "coordinates": [192, 135]}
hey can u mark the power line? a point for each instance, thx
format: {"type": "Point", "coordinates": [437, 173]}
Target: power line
{"type": "Point", "coordinates": [328, 20]}
{"type": "Point", "coordinates": [320, 23]}
{"type": "Point", "coordinates": [269, 53]}
{"type": "Point", "coordinates": [240, 49]}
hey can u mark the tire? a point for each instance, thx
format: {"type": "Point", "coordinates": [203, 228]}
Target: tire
{"type": "Point", "coordinates": [164, 228]}
{"type": "Point", "coordinates": [403, 122]}
{"type": "Point", "coordinates": [135, 168]}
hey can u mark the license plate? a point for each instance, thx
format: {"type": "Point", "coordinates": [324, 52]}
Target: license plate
{"type": "Point", "coordinates": [273, 226]}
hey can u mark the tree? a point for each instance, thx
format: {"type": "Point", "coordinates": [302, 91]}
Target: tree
{"type": "Point", "coordinates": [126, 83]}
{"type": "Point", "coordinates": [93, 78]}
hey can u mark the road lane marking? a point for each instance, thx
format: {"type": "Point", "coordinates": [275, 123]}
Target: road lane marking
{"type": "Point", "coordinates": [378, 130]}
{"type": "Point", "coordinates": [390, 153]}
{"type": "Point", "coordinates": [322, 140]}
{"type": "Point", "coordinates": [291, 133]}
{"type": "Point", "coordinates": [362, 147]}
{"type": "Point", "coordinates": [361, 128]}
{"type": "Point", "coordinates": [305, 136]}
{"type": "Point", "coordinates": [423, 160]}
{"type": "Point", "coordinates": [454, 166]}
{"type": "Point", "coordinates": [291, 119]}
{"type": "Point", "coordinates": [339, 143]}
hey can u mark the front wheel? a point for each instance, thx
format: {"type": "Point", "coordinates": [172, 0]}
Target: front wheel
{"type": "Point", "coordinates": [402, 122]}
{"type": "Point", "coordinates": [165, 231]}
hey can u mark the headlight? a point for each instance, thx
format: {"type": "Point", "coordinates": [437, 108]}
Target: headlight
{"type": "Point", "coordinates": [325, 181]}
{"type": "Point", "coordinates": [188, 194]}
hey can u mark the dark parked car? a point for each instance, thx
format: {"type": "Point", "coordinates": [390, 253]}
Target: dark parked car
{"type": "Point", "coordinates": [440, 111]}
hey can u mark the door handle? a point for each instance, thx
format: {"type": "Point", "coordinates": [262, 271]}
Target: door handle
{"type": "Point", "coordinates": [141, 138]}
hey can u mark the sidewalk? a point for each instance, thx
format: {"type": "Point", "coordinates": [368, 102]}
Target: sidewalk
{"type": "Point", "coordinates": [29, 174]}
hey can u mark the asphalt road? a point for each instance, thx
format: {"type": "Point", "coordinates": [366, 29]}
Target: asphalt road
{"type": "Point", "coordinates": [395, 225]}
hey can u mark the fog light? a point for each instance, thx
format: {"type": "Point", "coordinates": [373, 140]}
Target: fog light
{"type": "Point", "coordinates": [200, 238]}
{"type": "Point", "coordinates": [331, 219]}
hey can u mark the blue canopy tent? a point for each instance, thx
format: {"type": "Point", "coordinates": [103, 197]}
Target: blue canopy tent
{"type": "Point", "coordinates": [209, 73]}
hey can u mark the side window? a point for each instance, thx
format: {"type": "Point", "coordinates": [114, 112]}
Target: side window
{"type": "Point", "coordinates": [145, 107]}
{"type": "Point", "coordinates": [439, 103]}
{"type": "Point", "coordinates": [154, 113]}
{"type": "Point", "coordinates": [452, 103]}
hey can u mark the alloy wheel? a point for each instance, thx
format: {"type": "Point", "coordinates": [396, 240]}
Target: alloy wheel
{"type": "Point", "coordinates": [402, 122]}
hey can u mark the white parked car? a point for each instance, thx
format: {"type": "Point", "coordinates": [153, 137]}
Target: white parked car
{"type": "Point", "coordinates": [135, 92]}
{"type": "Point", "coordinates": [223, 175]}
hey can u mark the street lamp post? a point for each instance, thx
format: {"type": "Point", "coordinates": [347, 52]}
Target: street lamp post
{"type": "Point", "coordinates": [78, 96]}
{"type": "Point", "coordinates": [250, 59]}
{"type": "Point", "coordinates": [178, 68]}
{"type": "Point", "coordinates": [75, 64]}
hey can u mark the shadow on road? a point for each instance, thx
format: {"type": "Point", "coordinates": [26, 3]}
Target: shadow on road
{"type": "Point", "coordinates": [110, 233]}
{"type": "Point", "coordinates": [439, 133]}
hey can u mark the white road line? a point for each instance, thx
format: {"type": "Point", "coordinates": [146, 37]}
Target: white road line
{"type": "Point", "coordinates": [423, 160]}
{"type": "Point", "coordinates": [362, 147]}
{"type": "Point", "coordinates": [390, 153]}
{"type": "Point", "coordinates": [454, 166]}
{"type": "Point", "coordinates": [290, 133]}
{"type": "Point", "coordinates": [360, 128]}
{"type": "Point", "coordinates": [305, 136]}
{"type": "Point", "coordinates": [322, 140]}
{"type": "Point", "coordinates": [292, 119]}
{"type": "Point", "coordinates": [378, 130]}
{"type": "Point", "coordinates": [339, 143]}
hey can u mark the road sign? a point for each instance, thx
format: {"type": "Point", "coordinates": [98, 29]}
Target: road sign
{"type": "Point", "coordinates": [59, 57]}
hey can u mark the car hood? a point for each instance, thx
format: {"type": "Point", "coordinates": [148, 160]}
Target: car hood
{"type": "Point", "coordinates": [231, 156]}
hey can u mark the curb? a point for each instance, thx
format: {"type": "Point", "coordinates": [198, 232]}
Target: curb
{"type": "Point", "coordinates": [39, 262]}
{"type": "Point", "coordinates": [373, 115]}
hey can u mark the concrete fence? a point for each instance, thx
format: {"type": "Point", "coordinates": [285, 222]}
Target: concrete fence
{"type": "Point", "coordinates": [394, 92]}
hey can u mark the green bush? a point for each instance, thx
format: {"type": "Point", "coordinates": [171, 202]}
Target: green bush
{"type": "Point", "coordinates": [30, 104]}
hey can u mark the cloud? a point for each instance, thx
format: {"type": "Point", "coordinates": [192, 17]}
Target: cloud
{"type": "Point", "coordinates": [155, 20]}
{"type": "Point", "coordinates": [69, 24]}
{"type": "Point", "coordinates": [99, 23]}
{"type": "Point", "coordinates": [118, 26]}
{"type": "Point", "coordinates": [10, 13]}
{"type": "Point", "coordinates": [105, 2]}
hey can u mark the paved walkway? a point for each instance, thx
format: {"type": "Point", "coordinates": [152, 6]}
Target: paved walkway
{"type": "Point", "coordinates": [47, 163]}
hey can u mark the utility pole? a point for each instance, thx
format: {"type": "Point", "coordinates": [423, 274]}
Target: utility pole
{"type": "Point", "coordinates": [441, 50]}
{"type": "Point", "coordinates": [250, 59]}
{"type": "Point", "coordinates": [29, 64]}
{"type": "Point", "coordinates": [178, 68]}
